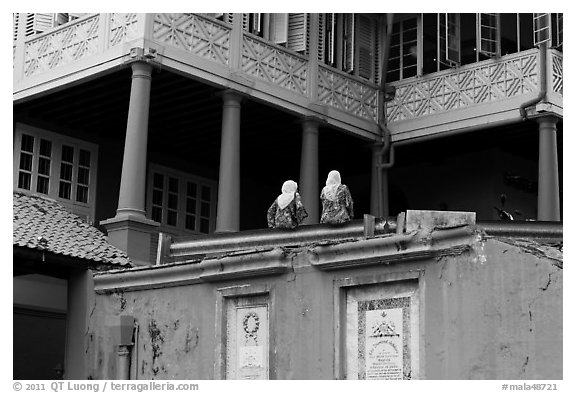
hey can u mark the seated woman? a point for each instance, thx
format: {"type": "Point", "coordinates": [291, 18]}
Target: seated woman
{"type": "Point", "coordinates": [337, 205]}
{"type": "Point", "coordinates": [287, 210]}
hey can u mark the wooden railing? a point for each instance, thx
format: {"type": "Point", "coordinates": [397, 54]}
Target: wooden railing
{"type": "Point", "coordinates": [256, 59]}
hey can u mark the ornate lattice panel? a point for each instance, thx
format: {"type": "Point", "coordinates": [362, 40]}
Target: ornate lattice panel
{"type": "Point", "coordinates": [480, 84]}
{"type": "Point", "coordinates": [274, 65]}
{"type": "Point", "coordinates": [123, 27]}
{"type": "Point", "coordinates": [557, 79]}
{"type": "Point", "coordinates": [62, 46]}
{"type": "Point", "coordinates": [347, 94]}
{"type": "Point", "coordinates": [200, 36]}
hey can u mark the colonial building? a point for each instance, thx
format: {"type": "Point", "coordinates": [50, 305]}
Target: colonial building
{"type": "Point", "coordinates": [159, 129]}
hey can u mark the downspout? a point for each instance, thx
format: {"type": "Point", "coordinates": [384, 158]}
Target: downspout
{"type": "Point", "coordinates": [384, 131]}
{"type": "Point", "coordinates": [543, 82]}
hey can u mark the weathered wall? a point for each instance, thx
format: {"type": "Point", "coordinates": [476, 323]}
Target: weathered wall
{"type": "Point", "coordinates": [493, 311]}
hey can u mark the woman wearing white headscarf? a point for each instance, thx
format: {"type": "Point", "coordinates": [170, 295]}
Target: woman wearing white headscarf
{"type": "Point", "coordinates": [337, 205]}
{"type": "Point", "coordinates": [287, 210]}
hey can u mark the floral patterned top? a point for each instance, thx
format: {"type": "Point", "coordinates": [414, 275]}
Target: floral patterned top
{"type": "Point", "coordinates": [340, 210]}
{"type": "Point", "coordinates": [289, 217]}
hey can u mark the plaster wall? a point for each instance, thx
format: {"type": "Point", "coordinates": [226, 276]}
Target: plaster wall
{"type": "Point", "coordinates": [493, 311]}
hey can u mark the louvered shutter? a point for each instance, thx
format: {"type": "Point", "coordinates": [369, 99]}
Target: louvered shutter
{"type": "Point", "coordinates": [297, 32]}
{"type": "Point", "coordinates": [279, 28]}
{"type": "Point", "coordinates": [38, 23]}
{"type": "Point", "coordinates": [321, 36]}
{"type": "Point", "coordinates": [349, 42]}
{"type": "Point", "coordinates": [15, 22]}
{"type": "Point", "coordinates": [365, 42]}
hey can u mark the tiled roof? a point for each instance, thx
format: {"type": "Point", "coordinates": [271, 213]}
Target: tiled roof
{"type": "Point", "coordinates": [43, 224]}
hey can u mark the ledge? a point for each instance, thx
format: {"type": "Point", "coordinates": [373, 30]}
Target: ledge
{"type": "Point", "coordinates": [393, 249]}
{"type": "Point", "coordinates": [252, 264]}
{"type": "Point", "coordinates": [159, 276]}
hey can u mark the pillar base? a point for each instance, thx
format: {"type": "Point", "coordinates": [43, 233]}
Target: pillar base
{"type": "Point", "coordinates": [133, 234]}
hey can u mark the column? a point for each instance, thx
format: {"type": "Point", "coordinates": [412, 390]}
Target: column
{"type": "Point", "coordinates": [130, 230]}
{"type": "Point", "coordinates": [308, 184]}
{"type": "Point", "coordinates": [133, 181]}
{"type": "Point", "coordinates": [548, 186]}
{"type": "Point", "coordinates": [228, 214]}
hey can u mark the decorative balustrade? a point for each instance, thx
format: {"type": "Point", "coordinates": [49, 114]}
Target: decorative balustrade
{"type": "Point", "coordinates": [344, 92]}
{"type": "Point", "coordinates": [123, 28]}
{"type": "Point", "coordinates": [274, 64]}
{"type": "Point", "coordinates": [210, 39]}
{"type": "Point", "coordinates": [63, 45]}
{"type": "Point", "coordinates": [203, 37]}
{"type": "Point", "coordinates": [480, 83]}
{"type": "Point", "coordinates": [557, 78]}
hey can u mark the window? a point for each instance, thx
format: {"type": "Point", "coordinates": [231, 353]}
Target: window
{"type": "Point", "coordinates": [488, 34]}
{"type": "Point", "coordinates": [403, 57]}
{"type": "Point", "coordinates": [351, 43]}
{"type": "Point", "coordinates": [181, 202]}
{"type": "Point", "coordinates": [59, 167]}
{"type": "Point", "coordinates": [449, 39]}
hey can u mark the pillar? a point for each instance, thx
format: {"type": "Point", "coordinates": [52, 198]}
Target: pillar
{"type": "Point", "coordinates": [80, 296]}
{"type": "Point", "coordinates": [379, 206]}
{"type": "Point", "coordinates": [130, 230]}
{"type": "Point", "coordinates": [548, 186]}
{"type": "Point", "coordinates": [308, 184]}
{"type": "Point", "coordinates": [133, 182]}
{"type": "Point", "coordinates": [228, 214]}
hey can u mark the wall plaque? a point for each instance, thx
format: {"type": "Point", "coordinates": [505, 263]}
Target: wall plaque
{"type": "Point", "coordinates": [382, 331]}
{"type": "Point", "coordinates": [247, 338]}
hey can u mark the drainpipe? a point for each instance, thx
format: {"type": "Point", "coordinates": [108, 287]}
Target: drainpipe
{"type": "Point", "coordinates": [548, 188]}
{"type": "Point", "coordinates": [384, 131]}
{"type": "Point", "coordinates": [543, 82]}
{"type": "Point", "coordinates": [125, 345]}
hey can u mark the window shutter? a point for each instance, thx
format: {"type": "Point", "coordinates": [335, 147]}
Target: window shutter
{"type": "Point", "coordinates": [15, 22]}
{"type": "Point", "coordinates": [560, 29]}
{"type": "Point", "coordinates": [297, 24]}
{"type": "Point", "coordinates": [279, 28]}
{"type": "Point", "coordinates": [228, 17]}
{"type": "Point", "coordinates": [349, 42]}
{"type": "Point", "coordinates": [488, 26]}
{"type": "Point", "coordinates": [256, 23]}
{"type": "Point", "coordinates": [541, 28]}
{"type": "Point", "coordinates": [38, 23]}
{"type": "Point", "coordinates": [365, 42]}
{"type": "Point", "coordinates": [449, 39]}
{"type": "Point", "coordinates": [321, 37]}
{"type": "Point", "coordinates": [329, 49]}
{"type": "Point", "coordinates": [245, 21]}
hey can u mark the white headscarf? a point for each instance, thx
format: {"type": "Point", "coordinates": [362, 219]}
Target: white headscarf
{"type": "Point", "coordinates": [332, 183]}
{"type": "Point", "coordinates": [288, 189]}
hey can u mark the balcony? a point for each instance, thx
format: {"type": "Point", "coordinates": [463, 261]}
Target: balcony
{"type": "Point", "coordinates": [214, 52]}
{"type": "Point", "coordinates": [474, 95]}
{"type": "Point", "coordinates": [225, 56]}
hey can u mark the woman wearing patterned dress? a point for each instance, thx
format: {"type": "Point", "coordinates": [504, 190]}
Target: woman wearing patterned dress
{"type": "Point", "coordinates": [287, 210]}
{"type": "Point", "coordinates": [337, 205]}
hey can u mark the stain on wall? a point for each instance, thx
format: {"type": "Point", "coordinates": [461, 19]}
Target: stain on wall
{"type": "Point", "coordinates": [493, 311]}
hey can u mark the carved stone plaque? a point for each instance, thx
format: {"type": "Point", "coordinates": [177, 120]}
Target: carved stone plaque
{"type": "Point", "coordinates": [382, 331]}
{"type": "Point", "coordinates": [247, 338]}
